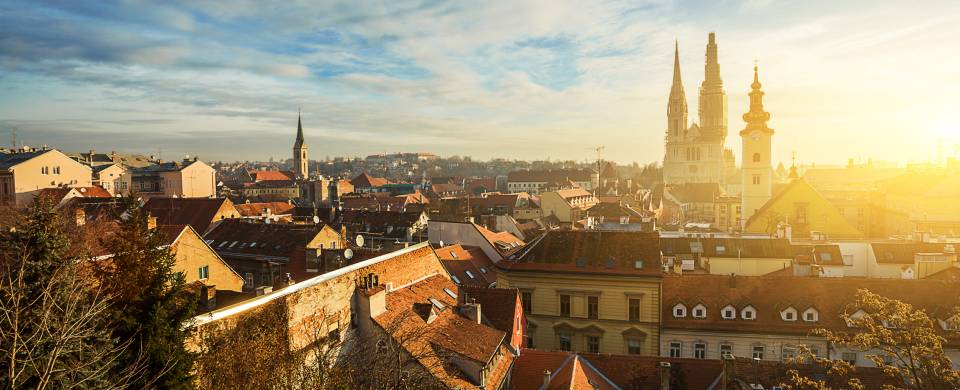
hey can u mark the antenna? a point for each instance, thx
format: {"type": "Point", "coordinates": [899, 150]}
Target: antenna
{"type": "Point", "coordinates": [14, 132]}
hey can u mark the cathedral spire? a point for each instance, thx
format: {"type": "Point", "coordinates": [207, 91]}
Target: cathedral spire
{"type": "Point", "coordinates": [757, 118]}
{"type": "Point", "coordinates": [677, 106]}
{"type": "Point", "coordinates": [711, 68]}
{"type": "Point", "coordinates": [713, 100]}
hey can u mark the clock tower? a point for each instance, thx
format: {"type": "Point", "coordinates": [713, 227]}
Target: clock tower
{"type": "Point", "coordinates": [757, 169]}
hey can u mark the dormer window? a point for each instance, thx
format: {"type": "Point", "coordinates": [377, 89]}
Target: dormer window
{"type": "Point", "coordinates": [748, 313]}
{"type": "Point", "coordinates": [679, 311]}
{"type": "Point", "coordinates": [699, 311]}
{"type": "Point", "coordinates": [851, 323]}
{"type": "Point", "coordinates": [729, 312]}
{"type": "Point", "coordinates": [789, 314]}
{"type": "Point", "coordinates": [811, 315]}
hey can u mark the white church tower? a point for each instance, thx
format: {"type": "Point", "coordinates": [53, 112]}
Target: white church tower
{"type": "Point", "coordinates": [757, 139]}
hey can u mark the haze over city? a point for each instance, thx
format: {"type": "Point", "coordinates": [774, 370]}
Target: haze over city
{"type": "Point", "coordinates": [489, 79]}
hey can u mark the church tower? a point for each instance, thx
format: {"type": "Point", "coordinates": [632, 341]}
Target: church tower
{"type": "Point", "coordinates": [677, 105]}
{"type": "Point", "coordinates": [300, 153]}
{"type": "Point", "coordinates": [713, 100]}
{"type": "Point", "coordinates": [757, 138]}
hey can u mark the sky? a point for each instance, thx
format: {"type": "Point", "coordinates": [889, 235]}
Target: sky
{"type": "Point", "coordinates": [524, 79]}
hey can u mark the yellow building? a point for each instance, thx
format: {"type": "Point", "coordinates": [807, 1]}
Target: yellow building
{"type": "Point", "coordinates": [728, 213]}
{"type": "Point", "coordinates": [25, 172]}
{"type": "Point", "coordinates": [589, 291]}
{"type": "Point", "coordinates": [190, 178]}
{"type": "Point", "coordinates": [568, 205]}
{"type": "Point", "coordinates": [198, 262]}
{"type": "Point", "coordinates": [806, 210]}
{"type": "Point", "coordinates": [114, 178]}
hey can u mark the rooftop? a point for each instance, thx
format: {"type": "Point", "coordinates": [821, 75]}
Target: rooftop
{"type": "Point", "coordinates": [600, 252]}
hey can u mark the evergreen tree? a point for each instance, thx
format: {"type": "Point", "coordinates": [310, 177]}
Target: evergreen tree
{"type": "Point", "coordinates": [151, 301]}
{"type": "Point", "coordinates": [51, 318]}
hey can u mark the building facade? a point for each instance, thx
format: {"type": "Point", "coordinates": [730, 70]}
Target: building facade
{"type": "Point", "coordinates": [697, 153]}
{"type": "Point", "coordinates": [25, 172]}
{"type": "Point", "coordinates": [589, 291]}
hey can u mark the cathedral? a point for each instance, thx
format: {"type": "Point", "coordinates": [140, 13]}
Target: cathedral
{"type": "Point", "coordinates": [697, 153]}
{"type": "Point", "coordinates": [697, 161]}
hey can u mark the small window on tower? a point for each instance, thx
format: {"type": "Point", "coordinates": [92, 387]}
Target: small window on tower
{"type": "Point", "coordinates": [756, 179]}
{"type": "Point", "coordinates": [756, 157]}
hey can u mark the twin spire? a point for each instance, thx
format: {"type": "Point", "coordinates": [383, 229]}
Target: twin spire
{"type": "Point", "coordinates": [756, 118]}
{"type": "Point", "coordinates": [299, 142]}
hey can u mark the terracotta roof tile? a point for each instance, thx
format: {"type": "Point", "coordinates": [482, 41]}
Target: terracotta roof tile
{"type": "Point", "coordinates": [196, 212]}
{"type": "Point", "coordinates": [498, 305]}
{"type": "Point", "coordinates": [255, 209]}
{"type": "Point", "coordinates": [271, 176]}
{"type": "Point", "coordinates": [617, 253]}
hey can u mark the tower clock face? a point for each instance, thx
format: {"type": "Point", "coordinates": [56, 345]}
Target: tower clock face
{"type": "Point", "coordinates": [755, 135]}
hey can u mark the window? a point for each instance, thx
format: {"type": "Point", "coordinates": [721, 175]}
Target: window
{"type": "Point", "coordinates": [45, 170]}
{"type": "Point", "coordinates": [56, 170]}
{"type": "Point", "coordinates": [699, 311]}
{"type": "Point", "coordinates": [850, 357]}
{"type": "Point", "coordinates": [789, 314]}
{"type": "Point", "coordinates": [811, 315]}
{"type": "Point", "coordinates": [633, 309]}
{"type": "Point", "coordinates": [726, 349]}
{"type": "Point", "coordinates": [526, 298]}
{"type": "Point", "coordinates": [728, 313]}
{"type": "Point", "coordinates": [756, 179]}
{"type": "Point", "coordinates": [758, 352]}
{"type": "Point", "coordinates": [565, 306]}
{"type": "Point", "coordinates": [679, 311]}
{"type": "Point", "coordinates": [593, 307]}
{"type": "Point", "coordinates": [675, 349]}
{"type": "Point", "coordinates": [801, 217]}
{"type": "Point", "coordinates": [748, 313]}
{"type": "Point", "coordinates": [455, 279]}
{"type": "Point", "coordinates": [700, 350]}
{"type": "Point", "coordinates": [633, 346]}
{"type": "Point", "coordinates": [564, 342]}
{"type": "Point", "coordinates": [593, 344]}
{"type": "Point", "coordinates": [788, 353]}
{"type": "Point", "coordinates": [756, 157]}
{"type": "Point", "coordinates": [470, 274]}
{"type": "Point", "coordinates": [203, 272]}
{"type": "Point", "coordinates": [248, 279]}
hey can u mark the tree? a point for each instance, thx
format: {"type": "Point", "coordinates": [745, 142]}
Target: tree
{"type": "Point", "coordinates": [150, 302]}
{"type": "Point", "coordinates": [902, 340]}
{"type": "Point", "coordinates": [51, 318]}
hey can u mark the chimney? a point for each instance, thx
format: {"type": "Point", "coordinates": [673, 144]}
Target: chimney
{"type": "Point", "coordinates": [90, 157]}
{"type": "Point", "coordinates": [546, 379]}
{"type": "Point", "coordinates": [729, 373]}
{"type": "Point", "coordinates": [471, 310]}
{"type": "Point", "coordinates": [733, 280]}
{"type": "Point", "coordinates": [664, 371]}
{"type": "Point", "coordinates": [151, 222]}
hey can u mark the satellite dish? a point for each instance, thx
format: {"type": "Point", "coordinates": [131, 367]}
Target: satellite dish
{"type": "Point", "coordinates": [359, 240]}
{"type": "Point", "coordinates": [316, 219]}
{"type": "Point", "coordinates": [276, 218]}
{"type": "Point", "coordinates": [348, 253]}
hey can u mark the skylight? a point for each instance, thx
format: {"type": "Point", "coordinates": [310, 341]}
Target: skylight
{"type": "Point", "coordinates": [455, 279]}
{"type": "Point", "coordinates": [450, 293]}
{"type": "Point", "coordinates": [483, 270]}
{"type": "Point", "coordinates": [453, 254]}
{"type": "Point", "coordinates": [437, 304]}
{"type": "Point", "coordinates": [470, 274]}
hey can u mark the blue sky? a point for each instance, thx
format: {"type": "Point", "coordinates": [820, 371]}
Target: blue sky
{"type": "Point", "coordinates": [514, 79]}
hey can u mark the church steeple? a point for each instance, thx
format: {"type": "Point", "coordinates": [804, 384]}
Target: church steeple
{"type": "Point", "coordinates": [677, 106]}
{"type": "Point", "coordinates": [300, 152]}
{"type": "Point", "coordinates": [713, 100]}
{"type": "Point", "coordinates": [756, 118]}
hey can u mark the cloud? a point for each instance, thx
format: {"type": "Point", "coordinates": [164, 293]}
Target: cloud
{"type": "Point", "coordinates": [493, 79]}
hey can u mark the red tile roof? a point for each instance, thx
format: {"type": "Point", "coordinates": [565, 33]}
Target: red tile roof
{"type": "Point", "coordinates": [199, 213]}
{"type": "Point", "coordinates": [503, 242]}
{"type": "Point", "coordinates": [271, 176]}
{"type": "Point", "coordinates": [770, 295]}
{"type": "Point", "coordinates": [498, 305]}
{"type": "Point", "coordinates": [457, 260]}
{"type": "Point", "coordinates": [236, 237]}
{"type": "Point", "coordinates": [407, 312]}
{"type": "Point", "coordinates": [598, 252]}
{"type": "Point", "coordinates": [364, 180]}
{"type": "Point", "coordinates": [255, 209]}
{"type": "Point", "coordinates": [550, 175]}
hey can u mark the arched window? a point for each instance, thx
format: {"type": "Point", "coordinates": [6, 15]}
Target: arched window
{"type": "Point", "coordinates": [756, 157]}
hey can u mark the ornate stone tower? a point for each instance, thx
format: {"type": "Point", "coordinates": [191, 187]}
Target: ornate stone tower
{"type": "Point", "coordinates": [677, 106]}
{"type": "Point", "coordinates": [757, 139]}
{"type": "Point", "coordinates": [713, 101]}
{"type": "Point", "coordinates": [300, 153]}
